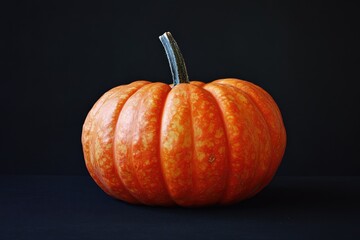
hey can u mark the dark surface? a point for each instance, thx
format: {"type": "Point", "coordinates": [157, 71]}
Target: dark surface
{"type": "Point", "coordinates": [59, 57]}
{"type": "Point", "coordinates": [54, 207]}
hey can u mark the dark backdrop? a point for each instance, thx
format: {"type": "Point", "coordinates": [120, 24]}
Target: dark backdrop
{"type": "Point", "coordinates": [59, 57]}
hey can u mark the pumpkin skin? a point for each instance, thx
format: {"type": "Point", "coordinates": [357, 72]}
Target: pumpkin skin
{"type": "Point", "coordinates": [191, 145]}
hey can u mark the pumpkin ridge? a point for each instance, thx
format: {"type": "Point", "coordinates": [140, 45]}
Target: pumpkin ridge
{"type": "Point", "coordinates": [193, 196]}
{"type": "Point", "coordinates": [86, 129]}
{"type": "Point", "coordinates": [269, 175]}
{"type": "Point", "coordinates": [244, 193]}
{"type": "Point", "coordinates": [92, 161]}
{"type": "Point", "coordinates": [234, 84]}
{"type": "Point", "coordinates": [176, 144]}
{"type": "Point", "coordinates": [90, 119]}
{"type": "Point", "coordinates": [136, 117]}
{"type": "Point", "coordinates": [261, 114]}
{"type": "Point", "coordinates": [229, 158]}
{"type": "Point", "coordinates": [146, 166]}
{"type": "Point", "coordinates": [267, 96]}
{"type": "Point", "coordinates": [140, 199]}
{"type": "Point", "coordinates": [282, 135]}
{"type": "Point", "coordinates": [227, 149]}
{"type": "Point", "coordinates": [274, 107]}
{"type": "Point", "coordinates": [231, 90]}
{"type": "Point", "coordinates": [159, 150]}
{"type": "Point", "coordinates": [113, 140]}
{"type": "Point", "coordinates": [269, 99]}
{"type": "Point", "coordinates": [107, 174]}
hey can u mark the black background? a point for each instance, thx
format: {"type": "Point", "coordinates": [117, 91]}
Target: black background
{"type": "Point", "coordinates": [59, 57]}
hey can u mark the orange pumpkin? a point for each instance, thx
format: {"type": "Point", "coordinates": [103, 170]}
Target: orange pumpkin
{"type": "Point", "coordinates": [188, 144]}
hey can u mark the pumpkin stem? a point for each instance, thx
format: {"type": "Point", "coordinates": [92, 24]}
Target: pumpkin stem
{"type": "Point", "coordinates": [176, 60]}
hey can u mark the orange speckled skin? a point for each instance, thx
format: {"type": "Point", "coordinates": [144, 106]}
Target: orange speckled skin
{"type": "Point", "coordinates": [192, 145]}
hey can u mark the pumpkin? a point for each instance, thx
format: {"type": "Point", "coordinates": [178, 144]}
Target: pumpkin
{"type": "Point", "coordinates": [188, 144]}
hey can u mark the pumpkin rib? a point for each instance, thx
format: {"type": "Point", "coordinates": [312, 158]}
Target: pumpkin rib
{"type": "Point", "coordinates": [113, 140]}
{"type": "Point", "coordinates": [94, 148]}
{"type": "Point", "coordinates": [86, 146]}
{"type": "Point", "coordinates": [263, 178]}
{"type": "Point", "coordinates": [192, 162]}
{"type": "Point", "coordinates": [160, 146]}
{"type": "Point", "coordinates": [268, 97]}
{"type": "Point", "coordinates": [227, 133]}
{"type": "Point", "coordinates": [159, 150]}
{"type": "Point", "coordinates": [282, 135]}
{"type": "Point", "coordinates": [276, 159]}
{"type": "Point", "coordinates": [143, 198]}
{"type": "Point", "coordinates": [273, 108]}
{"type": "Point", "coordinates": [260, 150]}
{"type": "Point", "coordinates": [106, 170]}
{"type": "Point", "coordinates": [93, 169]}
{"type": "Point", "coordinates": [146, 161]}
{"type": "Point", "coordinates": [176, 143]}
{"type": "Point", "coordinates": [245, 191]}
{"type": "Point", "coordinates": [131, 159]}
{"type": "Point", "coordinates": [227, 145]}
{"type": "Point", "coordinates": [208, 147]}
{"type": "Point", "coordinates": [270, 101]}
